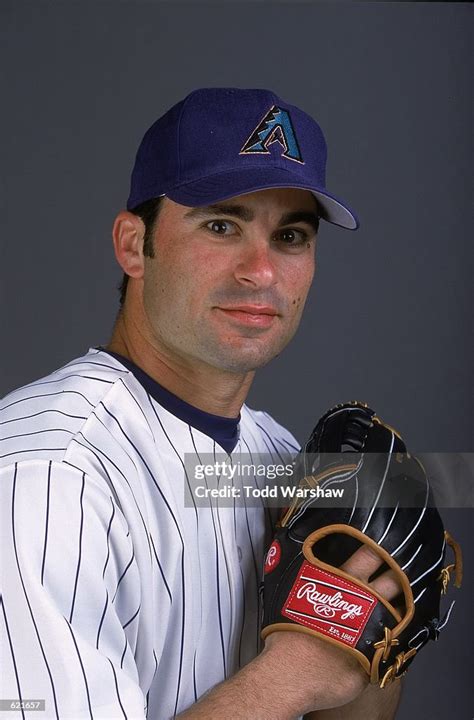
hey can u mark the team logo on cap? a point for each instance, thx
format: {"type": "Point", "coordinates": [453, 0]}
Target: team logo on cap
{"type": "Point", "coordinates": [276, 126]}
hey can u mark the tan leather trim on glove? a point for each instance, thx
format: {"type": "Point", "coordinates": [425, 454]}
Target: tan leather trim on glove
{"type": "Point", "coordinates": [382, 648]}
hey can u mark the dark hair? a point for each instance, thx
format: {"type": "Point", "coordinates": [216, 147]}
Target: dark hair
{"type": "Point", "coordinates": [148, 211]}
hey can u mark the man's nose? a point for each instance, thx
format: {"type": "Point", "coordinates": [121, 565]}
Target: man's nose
{"type": "Point", "coordinates": [255, 264]}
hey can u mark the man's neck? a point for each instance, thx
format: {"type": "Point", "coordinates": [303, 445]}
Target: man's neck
{"type": "Point", "coordinates": [199, 384]}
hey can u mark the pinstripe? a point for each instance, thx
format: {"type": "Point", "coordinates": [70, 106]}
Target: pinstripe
{"type": "Point", "coordinates": [194, 675]}
{"type": "Point", "coordinates": [61, 378]}
{"type": "Point", "coordinates": [124, 651]}
{"type": "Point", "coordinates": [80, 547]}
{"type": "Point", "coordinates": [183, 585]}
{"type": "Point", "coordinates": [78, 363]}
{"type": "Point", "coordinates": [183, 620]}
{"type": "Point", "coordinates": [31, 450]}
{"type": "Point", "coordinates": [123, 575]}
{"type": "Point", "coordinates": [242, 624]}
{"type": "Point", "coordinates": [282, 440]}
{"type": "Point", "coordinates": [148, 693]}
{"type": "Point", "coordinates": [20, 574]}
{"type": "Point", "coordinates": [267, 446]}
{"type": "Point", "coordinates": [43, 412]}
{"type": "Point", "coordinates": [116, 687]}
{"type": "Point", "coordinates": [145, 464]}
{"type": "Point", "coordinates": [265, 508]}
{"type": "Point", "coordinates": [82, 669]}
{"type": "Point", "coordinates": [12, 653]}
{"type": "Point", "coordinates": [219, 604]}
{"type": "Point", "coordinates": [161, 570]}
{"type": "Point", "coordinates": [108, 538]}
{"type": "Point", "coordinates": [106, 605]}
{"type": "Point", "coordinates": [178, 455]}
{"type": "Point", "coordinates": [200, 604]}
{"type": "Point", "coordinates": [217, 576]}
{"type": "Point", "coordinates": [271, 441]}
{"type": "Point", "coordinates": [137, 404]}
{"type": "Point", "coordinates": [289, 445]}
{"type": "Point", "coordinates": [110, 483]}
{"type": "Point", "coordinates": [46, 523]}
{"type": "Point", "coordinates": [255, 565]}
{"type": "Point", "coordinates": [46, 395]}
{"type": "Point", "coordinates": [134, 459]}
{"type": "Point", "coordinates": [132, 618]}
{"type": "Point", "coordinates": [37, 432]}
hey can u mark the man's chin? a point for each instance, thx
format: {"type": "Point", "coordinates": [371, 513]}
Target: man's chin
{"type": "Point", "coordinates": [244, 359]}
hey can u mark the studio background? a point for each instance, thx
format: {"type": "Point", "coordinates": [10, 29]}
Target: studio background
{"type": "Point", "coordinates": [388, 317]}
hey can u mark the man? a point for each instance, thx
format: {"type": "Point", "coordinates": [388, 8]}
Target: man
{"type": "Point", "coordinates": [118, 601]}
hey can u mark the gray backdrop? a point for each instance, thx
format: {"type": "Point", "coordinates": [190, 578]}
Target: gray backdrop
{"type": "Point", "coordinates": [388, 317]}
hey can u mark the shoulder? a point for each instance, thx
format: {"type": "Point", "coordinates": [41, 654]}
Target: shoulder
{"type": "Point", "coordinates": [272, 433]}
{"type": "Point", "coordinates": [40, 419]}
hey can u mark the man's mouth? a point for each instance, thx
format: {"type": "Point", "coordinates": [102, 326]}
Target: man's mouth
{"type": "Point", "coordinates": [261, 316]}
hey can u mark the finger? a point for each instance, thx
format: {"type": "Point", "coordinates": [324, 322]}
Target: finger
{"type": "Point", "coordinates": [363, 563]}
{"type": "Point", "coordinates": [387, 585]}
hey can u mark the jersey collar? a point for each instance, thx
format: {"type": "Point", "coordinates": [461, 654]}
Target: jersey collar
{"type": "Point", "coordinates": [225, 431]}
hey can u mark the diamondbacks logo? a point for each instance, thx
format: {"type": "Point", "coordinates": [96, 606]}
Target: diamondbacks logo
{"type": "Point", "coordinates": [276, 126]}
{"type": "Point", "coordinates": [329, 604]}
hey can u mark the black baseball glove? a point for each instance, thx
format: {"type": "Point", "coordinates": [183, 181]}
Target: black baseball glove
{"type": "Point", "coordinates": [387, 505]}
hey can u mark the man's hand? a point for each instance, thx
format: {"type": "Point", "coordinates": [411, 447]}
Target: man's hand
{"type": "Point", "coordinates": [333, 675]}
{"type": "Point", "coordinates": [372, 704]}
{"type": "Point", "coordinates": [297, 673]}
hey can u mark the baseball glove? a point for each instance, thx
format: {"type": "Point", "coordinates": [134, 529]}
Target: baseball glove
{"type": "Point", "coordinates": [387, 506]}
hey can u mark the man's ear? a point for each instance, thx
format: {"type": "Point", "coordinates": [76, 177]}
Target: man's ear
{"type": "Point", "coordinates": [128, 233]}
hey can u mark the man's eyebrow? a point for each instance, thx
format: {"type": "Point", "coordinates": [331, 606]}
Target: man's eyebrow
{"type": "Point", "coordinates": [238, 211]}
{"type": "Point", "coordinates": [247, 215]}
{"type": "Point", "coordinates": [305, 216]}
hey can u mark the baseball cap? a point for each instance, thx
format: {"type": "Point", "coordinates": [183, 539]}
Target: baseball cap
{"type": "Point", "coordinates": [221, 142]}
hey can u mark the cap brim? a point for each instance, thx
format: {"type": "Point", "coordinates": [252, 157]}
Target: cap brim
{"type": "Point", "coordinates": [223, 186]}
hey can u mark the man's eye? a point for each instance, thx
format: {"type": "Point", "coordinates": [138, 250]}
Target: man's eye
{"type": "Point", "coordinates": [220, 227]}
{"type": "Point", "coordinates": [291, 236]}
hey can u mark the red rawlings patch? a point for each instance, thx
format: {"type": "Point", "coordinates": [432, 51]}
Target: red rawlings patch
{"type": "Point", "coordinates": [273, 557]}
{"type": "Point", "coordinates": [329, 604]}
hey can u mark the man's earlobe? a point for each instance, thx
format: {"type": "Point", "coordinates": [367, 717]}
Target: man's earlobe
{"type": "Point", "coordinates": [128, 232]}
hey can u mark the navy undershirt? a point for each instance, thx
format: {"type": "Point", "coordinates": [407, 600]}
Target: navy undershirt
{"type": "Point", "coordinates": [225, 431]}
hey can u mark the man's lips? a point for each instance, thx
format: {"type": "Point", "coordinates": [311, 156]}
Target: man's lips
{"type": "Point", "coordinates": [251, 315]}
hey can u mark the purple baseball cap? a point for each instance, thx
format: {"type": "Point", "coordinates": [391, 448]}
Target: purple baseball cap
{"type": "Point", "coordinates": [221, 142]}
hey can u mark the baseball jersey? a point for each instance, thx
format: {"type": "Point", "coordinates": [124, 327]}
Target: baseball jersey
{"type": "Point", "coordinates": [118, 600]}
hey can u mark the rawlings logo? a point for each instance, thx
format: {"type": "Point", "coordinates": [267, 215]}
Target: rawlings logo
{"type": "Point", "coordinates": [328, 605]}
{"type": "Point", "coordinates": [273, 557]}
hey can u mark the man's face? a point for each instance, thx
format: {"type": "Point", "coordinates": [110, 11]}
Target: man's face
{"type": "Point", "coordinates": [228, 283]}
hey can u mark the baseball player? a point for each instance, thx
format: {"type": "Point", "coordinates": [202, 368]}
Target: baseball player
{"type": "Point", "coordinates": [118, 601]}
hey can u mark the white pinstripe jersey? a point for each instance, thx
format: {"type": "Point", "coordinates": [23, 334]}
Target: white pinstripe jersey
{"type": "Point", "coordinates": [118, 601]}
